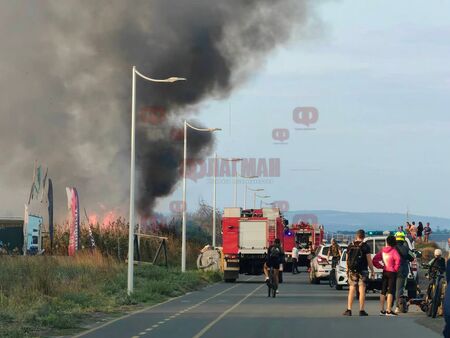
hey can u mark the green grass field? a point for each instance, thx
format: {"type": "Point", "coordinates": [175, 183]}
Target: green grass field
{"type": "Point", "coordinates": [46, 295]}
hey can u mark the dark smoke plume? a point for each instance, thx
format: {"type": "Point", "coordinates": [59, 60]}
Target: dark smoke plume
{"type": "Point", "coordinates": [65, 80]}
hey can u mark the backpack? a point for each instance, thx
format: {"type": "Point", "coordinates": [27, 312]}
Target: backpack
{"type": "Point", "coordinates": [355, 257]}
{"type": "Point", "coordinates": [275, 252]}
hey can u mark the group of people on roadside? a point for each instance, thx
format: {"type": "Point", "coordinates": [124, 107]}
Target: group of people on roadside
{"type": "Point", "coordinates": [394, 260]}
{"type": "Point", "coordinates": [417, 233]}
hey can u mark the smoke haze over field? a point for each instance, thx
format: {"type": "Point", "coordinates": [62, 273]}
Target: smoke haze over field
{"type": "Point", "coordinates": [65, 80]}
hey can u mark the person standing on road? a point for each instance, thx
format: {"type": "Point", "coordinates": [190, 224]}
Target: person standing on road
{"type": "Point", "coordinates": [406, 256]}
{"type": "Point", "coordinates": [359, 261]}
{"type": "Point", "coordinates": [388, 259]}
{"type": "Point", "coordinates": [427, 232]}
{"type": "Point", "coordinates": [295, 259]}
{"type": "Point", "coordinates": [419, 232]}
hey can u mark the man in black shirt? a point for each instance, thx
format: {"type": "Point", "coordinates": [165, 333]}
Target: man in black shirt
{"type": "Point", "coordinates": [275, 257]}
{"type": "Point", "coordinates": [359, 261]}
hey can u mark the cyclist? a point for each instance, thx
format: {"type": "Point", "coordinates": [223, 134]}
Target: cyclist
{"type": "Point", "coordinates": [406, 256]}
{"type": "Point", "coordinates": [334, 252]}
{"type": "Point", "coordinates": [437, 264]}
{"type": "Point", "coordinates": [275, 257]}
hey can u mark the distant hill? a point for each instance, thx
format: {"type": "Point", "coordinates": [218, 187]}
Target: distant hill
{"type": "Point", "coordinates": [348, 221]}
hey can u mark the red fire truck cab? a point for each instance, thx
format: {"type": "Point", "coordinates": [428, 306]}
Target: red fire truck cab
{"type": "Point", "coordinates": [247, 235]}
{"type": "Point", "coordinates": [307, 236]}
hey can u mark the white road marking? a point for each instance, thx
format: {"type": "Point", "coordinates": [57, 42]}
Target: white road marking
{"type": "Point", "coordinates": [81, 334]}
{"type": "Point", "coordinates": [196, 305]}
{"type": "Point", "coordinates": [215, 321]}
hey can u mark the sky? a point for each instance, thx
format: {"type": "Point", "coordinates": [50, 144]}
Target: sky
{"type": "Point", "coordinates": [371, 77]}
{"type": "Point", "coordinates": [377, 73]}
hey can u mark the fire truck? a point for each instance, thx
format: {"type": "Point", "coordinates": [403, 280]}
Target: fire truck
{"type": "Point", "coordinates": [308, 236]}
{"type": "Point", "coordinates": [247, 235]}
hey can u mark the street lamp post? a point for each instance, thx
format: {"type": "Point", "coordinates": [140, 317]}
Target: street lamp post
{"type": "Point", "coordinates": [235, 177]}
{"type": "Point", "coordinates": [245, 191]}
{"type": "Point", "coordinates": [254, 194]}
{"type": "Point", "coordinates": [214, 192]}
{"type": "Point", "coordinates": [132, 169]}
{"type": "Point", "coordinates": [214, 201]}
{"type": "Point", "coordinates": [254, 199]}
{"type": "Point", "coordinates": [261, 203]}
{"type": "Point", "coordinates": [183, 231]}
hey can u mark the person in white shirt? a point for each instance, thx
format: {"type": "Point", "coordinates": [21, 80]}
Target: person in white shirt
{"type": "Point", "coordinates": [295, 260]}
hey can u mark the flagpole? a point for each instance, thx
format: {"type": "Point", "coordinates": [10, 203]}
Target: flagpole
{"type": "Point", "coordinates": [43, 185]}
{"type": "Point", "coordinates": [32, 183]}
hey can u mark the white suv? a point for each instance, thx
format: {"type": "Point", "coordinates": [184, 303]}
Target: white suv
{"type": "Point", "coordinates": [376, 242]}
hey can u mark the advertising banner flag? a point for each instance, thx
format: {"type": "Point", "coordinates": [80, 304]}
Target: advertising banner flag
{"type": "Point", "coordinates": [50, 211]}
{"type": "Point", "coordinates": [74, 220]}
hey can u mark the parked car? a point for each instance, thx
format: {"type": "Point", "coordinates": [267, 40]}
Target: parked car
{"type": "Point", "coordinates": [341, 271]}
{"type": "Point", "coordinates": [320, 265]}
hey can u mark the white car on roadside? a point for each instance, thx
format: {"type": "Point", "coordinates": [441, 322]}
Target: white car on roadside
{"type": "Point", "coordinates": [320, 265]}
{"type": "Point", "coordinates": [341, 271]}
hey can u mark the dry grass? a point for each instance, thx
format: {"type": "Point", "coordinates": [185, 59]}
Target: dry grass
{"type": "Point", "coordinates": [44, 293]}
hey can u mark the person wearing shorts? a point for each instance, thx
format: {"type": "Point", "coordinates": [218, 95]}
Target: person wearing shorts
{"type": "Point", "coordinates": [359, 261]}
{"type": "Point", "coordinates": [388, 259]}
{"type": "Point", "coordinates": [358, 279]}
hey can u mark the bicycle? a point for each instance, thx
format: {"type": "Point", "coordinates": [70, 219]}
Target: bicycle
{"type": "Point", "coordinates": [272, 284]}
{"type": "Point", "coordinates": [434, 293]}
{"type": "Point", "coordinates": [332, 278]}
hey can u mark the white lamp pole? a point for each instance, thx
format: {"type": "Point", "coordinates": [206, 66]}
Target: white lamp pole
{"type": "Point", "coordinates": [214, 200]}
{"type": "Point", "coordinates": [245, 196]}
{"type": "Point", "coordinates": [235, 178]}
{"type": "Point", "coordinates": [183, 230]}
{"type": "Point", "coordinates": [245, 191]}
{"type": "Point", "coordinates": [214, 192]}
{"type": "Point", "coordinates": [254, 194]}
{"type": "Point", "coordinates": [254, 199]}
{"type": "Point", "coordinates": [132, 170]}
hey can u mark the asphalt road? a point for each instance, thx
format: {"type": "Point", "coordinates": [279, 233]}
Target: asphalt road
{"type": "Point", "coordinates": [243, 310]}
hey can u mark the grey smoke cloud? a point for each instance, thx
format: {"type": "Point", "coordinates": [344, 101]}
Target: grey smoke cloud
{"type": "Point", "coordinates": [65, 87]}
